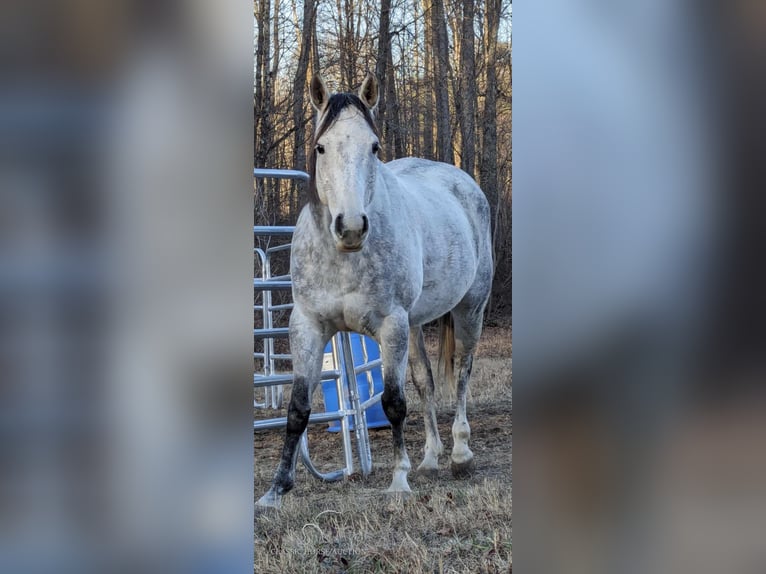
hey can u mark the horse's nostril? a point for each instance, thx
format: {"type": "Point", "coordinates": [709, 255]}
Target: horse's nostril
{"type": "Point", "coordinates": [339, 224]}
{"type": "Point", "coordinates": [365, 224]}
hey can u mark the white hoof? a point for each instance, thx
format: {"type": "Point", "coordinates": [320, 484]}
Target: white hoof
{"type": "Point", "coordinates": [270, 500]}
{"type": "Point", "coordinates": [399, 483]}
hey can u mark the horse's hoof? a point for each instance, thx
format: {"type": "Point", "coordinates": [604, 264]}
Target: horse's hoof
{"type": "Point", "coordinates": [396, 496]}
{"type": "Point", "coordinates": [463, 469]}
{"type": "Point", "coordinates": [269, 501]}
{"type": "Point", "coordinates": [428, 473]}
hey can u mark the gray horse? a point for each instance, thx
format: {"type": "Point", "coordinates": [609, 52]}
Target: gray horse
{"type": "Point", "coordinates": [382, 249]}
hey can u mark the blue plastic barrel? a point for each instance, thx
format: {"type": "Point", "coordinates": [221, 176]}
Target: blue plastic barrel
{"type": "Point", "coordinates": [376, 418]}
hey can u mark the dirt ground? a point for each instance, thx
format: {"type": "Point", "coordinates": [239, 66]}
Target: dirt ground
{"type": "Point", "coordinates": [448, 525]}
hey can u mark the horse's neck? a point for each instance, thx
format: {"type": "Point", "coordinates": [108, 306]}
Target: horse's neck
{"type": "Point", "coordinates": [384, 184]}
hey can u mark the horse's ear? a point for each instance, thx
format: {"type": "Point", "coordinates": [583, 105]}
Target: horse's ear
{"type": "Point", "coordinates": [318, 93]}
{"type": "Point", "coordinates": [369, 93]}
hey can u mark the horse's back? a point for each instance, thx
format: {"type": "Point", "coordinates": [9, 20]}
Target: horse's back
{"type": "Point", "coordinates": [433, 183]}
{"type": "Point", "coordinates": [442, 178]}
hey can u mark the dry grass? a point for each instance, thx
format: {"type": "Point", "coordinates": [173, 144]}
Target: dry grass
{"type": "Point", "coordinates": [449, 525]}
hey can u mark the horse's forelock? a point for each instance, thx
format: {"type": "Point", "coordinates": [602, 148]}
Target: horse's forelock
{"type": "Point", "coordinates": [336, 104]}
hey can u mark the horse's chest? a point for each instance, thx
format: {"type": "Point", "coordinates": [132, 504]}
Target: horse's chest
{"type": "Point", "coordinates": [351, 295]}
{"type": "Point", "coordinates": [345, 310]}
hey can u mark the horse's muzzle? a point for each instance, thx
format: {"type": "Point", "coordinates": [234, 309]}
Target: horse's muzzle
{"type": "Point", "coordinates": [347, 238]}
{"type": "Point", "coordinates": [349, 248]}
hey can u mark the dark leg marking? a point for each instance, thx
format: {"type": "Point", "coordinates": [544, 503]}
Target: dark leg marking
{"type": "Point", "coordinates": [297, 419]}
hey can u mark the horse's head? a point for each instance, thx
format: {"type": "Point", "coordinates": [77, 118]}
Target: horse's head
{"type": "Point", "coordinates": [344, 162]}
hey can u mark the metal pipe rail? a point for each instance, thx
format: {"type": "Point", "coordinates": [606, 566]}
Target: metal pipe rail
{"type": "Point", "coordinates": [262, 173]}
{"type": "Point", "coordinates": [286, 379]}
{"type": "Point", "coordinates": [270, 285]}
{"type": "Point", "coordinates": [272, 333]}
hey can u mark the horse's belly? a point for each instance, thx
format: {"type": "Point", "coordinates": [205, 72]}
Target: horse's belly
{"type": "Point", "coordinates": [430, 306]}
{"type": "Point", "coordinates": [443, 288]}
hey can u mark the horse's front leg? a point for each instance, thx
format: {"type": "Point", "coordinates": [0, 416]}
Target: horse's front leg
{"type": "Point", "coordinates": [307, 341]}
{"type": "Point", "coordinates": [394, 335]}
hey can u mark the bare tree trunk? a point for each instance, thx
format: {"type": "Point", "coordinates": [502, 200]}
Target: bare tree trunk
{"type": "Point", "coordinates": [354, 44]}
{"type": "Point", "coordinates": [299, 87]}
{"type": "Point", "coordinates": [454, 25]}
{"type": "Point", "coordinates": [315, 64]}
{"type": "Point", "coordinates": [346, 42]}
{"type": "Point", "coordinates": [340, 30]}
{"type": "Point", "coordinates": [263, 134]}
{"type": "Point", "coordinates": [388, 106]}
{"type": "Point", "coordinates": [414, 122]}
{"type": "Point", "coordinates": [428, 85]}
{"type": "Point", "coordinates": [468, 90]}
{"type": "Point", "coordinates": [276, 54]}
{"type": "Point", "coordinates": [441, 77]}
{"type": "Point", "coordinates": [488, 175]}
{"type": "Point", "coordinates": [381, 71]}
{"type": "Point", "coordinates": [394, 124]}
{"type": "Point", "coordinates": [273, 79]}
{"type": "Point", "coordinates": [488, 171]}
{"type": "Point", "coordinates": [262, 84]}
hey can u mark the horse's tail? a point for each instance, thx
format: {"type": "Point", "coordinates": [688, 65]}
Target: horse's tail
{"type": "Point", "coordinates": [446, 364]}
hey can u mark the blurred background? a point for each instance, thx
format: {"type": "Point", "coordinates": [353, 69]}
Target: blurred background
{"type": "Point", "coordinates": [125, 257]}
{"type": "Point", "coordinates": [638, 298]}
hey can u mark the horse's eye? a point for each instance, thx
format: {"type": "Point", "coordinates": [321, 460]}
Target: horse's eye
{"type": "Point", "coordinates": [320, 148]}
{"type": "Point", "coordinates": [375, 147]}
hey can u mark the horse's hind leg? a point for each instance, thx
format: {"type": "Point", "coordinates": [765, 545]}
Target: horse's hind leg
{"type": "Point", "coordinates": [393, 335]}
{"type": "Point", "coordinates": [468, 323]}
{"type": "Point", "coordinates": [307, 342]}
{"type": "Point", "coordinates": [420, 367]}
